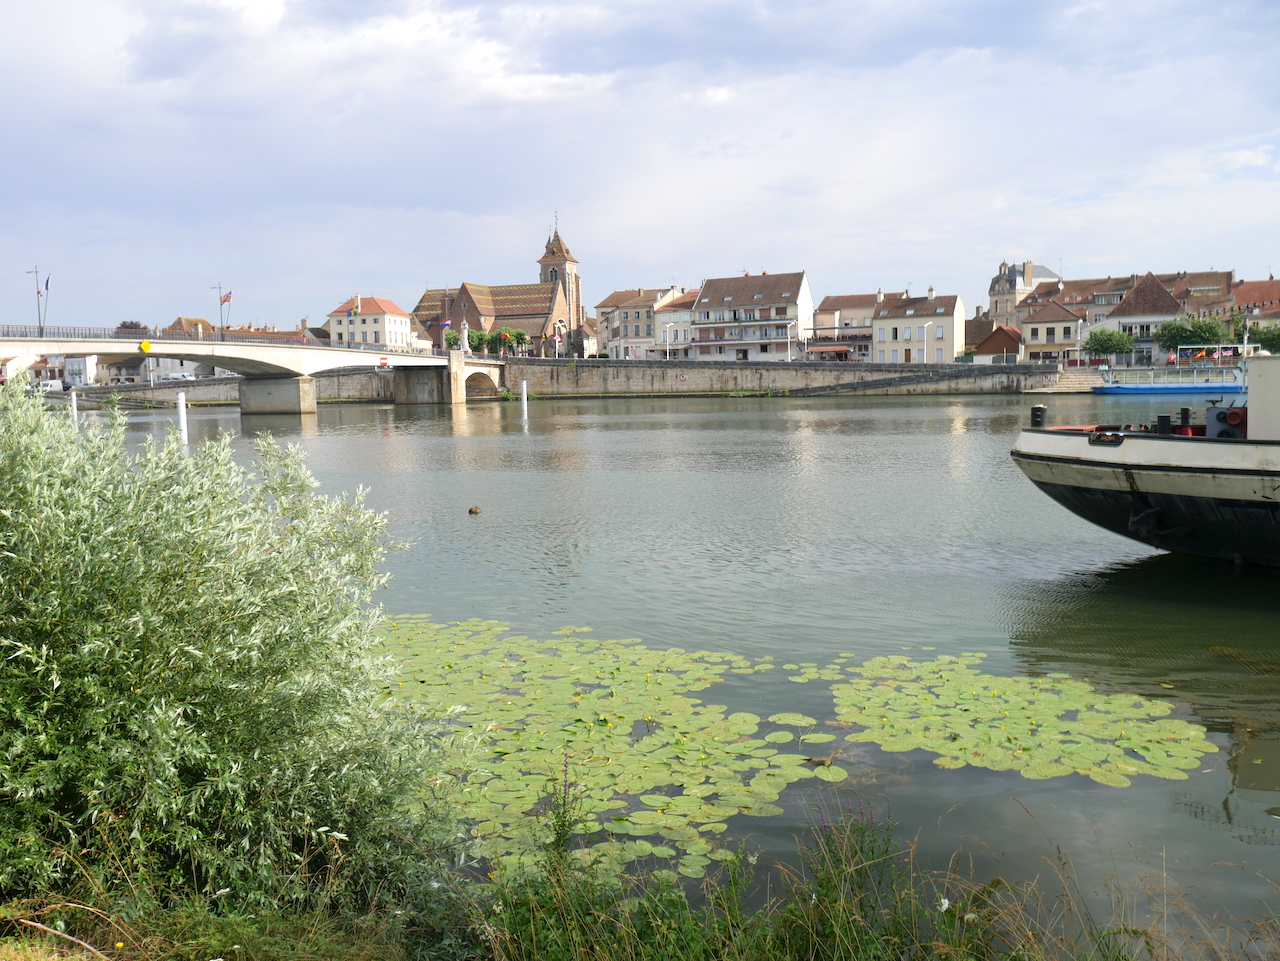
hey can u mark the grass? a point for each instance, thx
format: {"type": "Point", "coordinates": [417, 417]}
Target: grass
{"type": "Point", "coordinates": [855, 894]}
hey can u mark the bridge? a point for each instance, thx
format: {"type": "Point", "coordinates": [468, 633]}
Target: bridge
{"type": "Point", "coordinates": [277, 369]}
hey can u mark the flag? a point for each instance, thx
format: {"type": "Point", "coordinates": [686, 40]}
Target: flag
{"type": "Point", "coordinates": [447, 322]}
{"type": "Point", "coordinates": [224, 299]}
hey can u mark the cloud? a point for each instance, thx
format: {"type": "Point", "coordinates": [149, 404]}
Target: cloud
{"type": "Point", "coordinates": [322, 146]}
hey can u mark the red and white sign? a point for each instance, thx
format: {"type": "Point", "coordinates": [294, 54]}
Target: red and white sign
{"type": "Point", "coordinates": [382, 362]}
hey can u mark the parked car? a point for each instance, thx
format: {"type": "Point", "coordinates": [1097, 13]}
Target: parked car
{"type": "Point", "coordinates": [47, 385]}
{"type": "Point", "coordinates": [181, 375]}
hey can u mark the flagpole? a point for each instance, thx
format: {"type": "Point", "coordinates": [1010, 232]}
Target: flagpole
{"type": "Point", "coordinates": [39, 315]}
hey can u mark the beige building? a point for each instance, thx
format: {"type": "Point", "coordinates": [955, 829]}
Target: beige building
{"type": "Point", "coordinates": [842, 328]}
{"type": "Point", "coordinates": [1051, 334]}
{"type": "Point", "coordinates": [761, 317]}
{"type": "Point", "coordinates": [674, 326]}
{"type": "Point", "coordinates": [627, 326]}
{"type": "Point", "coordinates": [1011, 286]}
{"type": "Point", "coordinates": [919, 330]}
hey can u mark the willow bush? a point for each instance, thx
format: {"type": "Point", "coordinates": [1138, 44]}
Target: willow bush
{"type": "Point", "coordinates": [192, 698]}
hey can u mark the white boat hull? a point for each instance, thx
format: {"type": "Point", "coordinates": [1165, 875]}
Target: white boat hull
{"type": "Point", "coordinates": [1194, 495]}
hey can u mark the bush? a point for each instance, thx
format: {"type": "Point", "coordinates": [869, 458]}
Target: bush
{"type": "Point", "coordinates": [1173, 334]}
{"type": "Point", "coordinates": [1104, 343]}
{"type": "Point", "coordinates": [193, 698]}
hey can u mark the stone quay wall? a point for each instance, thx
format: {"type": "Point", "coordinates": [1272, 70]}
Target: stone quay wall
{"type": "Point", "coordinates": [604, 378]}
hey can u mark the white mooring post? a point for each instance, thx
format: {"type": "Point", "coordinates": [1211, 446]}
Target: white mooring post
{"type": "Point", "coordinates": [524, 399]}
{"type": "Point", "coordinates": [75, 409]}
{"type": "Point", "coordinates": [182, 415]}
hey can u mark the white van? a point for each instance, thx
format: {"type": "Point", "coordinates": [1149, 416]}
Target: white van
{"type": "Point", "coordinates": [51, 385]}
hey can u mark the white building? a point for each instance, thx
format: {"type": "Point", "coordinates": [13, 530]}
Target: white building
{"type": "Point", "coordinates": [760, 317]}
{"type": "Point", "coordinates": [371, 320]}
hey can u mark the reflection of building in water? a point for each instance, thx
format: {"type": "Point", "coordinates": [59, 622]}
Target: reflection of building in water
{"type": "Point", "coordinates": [1191, 632]}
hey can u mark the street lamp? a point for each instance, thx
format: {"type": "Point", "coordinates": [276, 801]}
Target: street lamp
{"type": "Point", "coordinates": [560, 328]}
{"type": "Point", "coordinates": [925, 341]}
{"type": "Point", "coordinates": [667, 338]}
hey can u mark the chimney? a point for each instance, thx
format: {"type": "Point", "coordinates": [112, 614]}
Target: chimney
{"type": "Point", "coordinates": [1028, 273]}
{"type": "Point", "coordinates": [764, 273]}
{"type": "Point", "coordinates": [879, 295]}
{"type": "Point", "coordinates": [356, 298]}
{"type": "Point", "coordinates": [1133, 280]}
{"type": "Point", "coordinates": [931, 291]}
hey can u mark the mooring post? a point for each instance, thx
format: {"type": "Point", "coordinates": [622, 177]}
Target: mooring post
{"type": "Point", "coordinates": [182, 415]}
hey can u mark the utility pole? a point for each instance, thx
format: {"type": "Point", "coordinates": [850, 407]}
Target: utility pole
{"type": "Point", "coordinates": [41, 311]}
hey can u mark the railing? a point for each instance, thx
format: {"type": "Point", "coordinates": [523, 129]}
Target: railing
{"type": "Point", "coordinates": [33, 332]}
{"type": "Point", "coordinates": [1173, 375]}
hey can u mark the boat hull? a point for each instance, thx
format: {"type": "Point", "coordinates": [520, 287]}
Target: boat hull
{"type": "Point", "coordinates": [1214, 498]}
{"type": "Point", "coordinates": [1170, 389]}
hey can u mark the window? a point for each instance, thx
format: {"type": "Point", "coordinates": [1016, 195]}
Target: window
{"type": "Point", "coordinates": [1050, 335]}
{"type": "Point", "coordinates": [375, 336]}
{"type": "Point", "coordinates": [625, 330]}
{"type": "Point", "coordinates": [1099, 318]}
{"type": "Point", "coordinates": [764, 313]}
{"type": "Point", "coordinates": [729, 299]}
{"type": "Point", "coordinates": [758, 297]}
{"type": "Point", "coordinates": [626, 315]}
{"type": "Point", "coordinates": [893, 334]}
{"type": "Point", "coordinates": [884, 313]}
{"type": "Point", "coordinates": [881, 339]}
{"type": "Point", "coordinates": [1035, 333]}
{"type": "Point", "coordinates": [906, 333]}
{"type": "Point", "coordinates": [706, 314]}
{"type": "Point", "coordinates": [779, 331]}
{"type": "Point", "coordinates": [911, 311]}
{"type": "Point", "coordinates": [719, 348]}
{"type": "Point", "coordinates": [339, 336]}
{"type": "Point", "coordinates": [882, 354]}
{"type": "Point", "coordinates": [940, 310]}
{"type": "Point", "coordinates": [719, 318]}
{"type": "Point", "coordinates": [648, 330]}
{"type": "Point", "coordinates": [895, 355]}
{"type": "Point", "coordinates": [940, 334]}
{"type": "Point", "coordinates": [364, 336]}
{"type": "Point", "coordinates": [748, 315]}
{"type": "Point", "coordinates": [364, 320]}
{"type": "Point", "coordinates": [764, 348]}
{"type": "Point", "coordinates": [780, 311]}
{"type": "Point", "coordinates": [648, 314]}
{"type": "Point", "coordinates": [1066, 333]}
{"type": "Point", "coordinates": [786, 293]}
{"type": "Point", "coordinates": [938, 355]}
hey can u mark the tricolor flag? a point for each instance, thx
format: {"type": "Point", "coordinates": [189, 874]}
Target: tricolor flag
{"type": "Point", "coordinates": [447, 322]}
{"type": "Point", "coordinates": [225, 299]}
{"type": "Point", "coordinates": [41, 293]}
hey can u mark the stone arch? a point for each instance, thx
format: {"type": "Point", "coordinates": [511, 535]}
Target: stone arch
{"type": "Point", "coordinates": [483, 384]}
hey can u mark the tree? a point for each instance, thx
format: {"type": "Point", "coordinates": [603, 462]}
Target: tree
{"type": "Point", "coordinates": [1267, 336]}
{"type": "Point", "coordinates": [1173, 334]}
{"type": "Point", "coordinates": [130, 325]}
{"type": "Point", "coordinates": [1107, 343]}
{"type": "Point", "coordinates": [194, 695]}
{"type": "Point", "coordinates": [452, 339]}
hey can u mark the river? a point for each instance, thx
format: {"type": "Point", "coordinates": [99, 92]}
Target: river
{"type": "Point", "coordinates": [810, 528]}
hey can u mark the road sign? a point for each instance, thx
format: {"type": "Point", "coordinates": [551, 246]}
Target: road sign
{"type": "Point", "coordinates": [382, 362]}
{"type": "Point", "coordinates": [145, 346]}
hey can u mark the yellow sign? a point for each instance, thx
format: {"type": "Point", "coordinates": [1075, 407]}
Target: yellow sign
{"type": "Point", "coordinates": [145, 346]}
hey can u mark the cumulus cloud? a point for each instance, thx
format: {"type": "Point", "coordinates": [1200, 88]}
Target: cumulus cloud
{"type": "Point", "coordinates": [307, 148]}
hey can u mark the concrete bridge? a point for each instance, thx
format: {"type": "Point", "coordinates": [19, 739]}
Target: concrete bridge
{"type": "Point", "coordinates": [277, 368]}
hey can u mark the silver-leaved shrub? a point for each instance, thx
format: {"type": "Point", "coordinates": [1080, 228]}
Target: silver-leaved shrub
{"type": "Point", "coordinates": [192, 695]}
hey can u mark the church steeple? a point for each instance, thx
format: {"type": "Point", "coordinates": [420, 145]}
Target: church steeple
{"type": "Point", "coordinates": [558, 266]}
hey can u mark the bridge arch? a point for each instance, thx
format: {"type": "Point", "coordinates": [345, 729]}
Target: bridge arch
{"type": "Point", "coordinates": [483, 383]}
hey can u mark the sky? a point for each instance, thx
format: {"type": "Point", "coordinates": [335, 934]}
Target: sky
{"type": "Point", "coordinates": [299, 151]}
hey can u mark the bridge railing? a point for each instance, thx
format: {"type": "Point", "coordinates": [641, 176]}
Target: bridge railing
{"type": "Point", "coordinates": [34, 332]}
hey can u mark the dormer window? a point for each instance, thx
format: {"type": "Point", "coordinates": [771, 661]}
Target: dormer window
{"type": "Point", "coordinates": [727, 299]}
{"type": "Point", "coordinates": [911, 311]}
{"type": "Point", "coordinates": [787, 294]}
{"type": "Point", "coordinates": [884, 313]}
{"type": "Point", "coordinates": [706, 300]}
{"type": "Point", "coordinates": [940, 310]}
{"type": "Point", "coordinates": [758, 297]}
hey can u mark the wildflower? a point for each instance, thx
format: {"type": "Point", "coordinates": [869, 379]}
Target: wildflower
{"type": "Point", "coordinates": [944, 904]}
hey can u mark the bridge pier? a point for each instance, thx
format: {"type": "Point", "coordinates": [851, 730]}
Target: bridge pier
{"type": "Point", "coordinates": [277, 395]}
{"type": "Point", "coordinates": [433, 385]}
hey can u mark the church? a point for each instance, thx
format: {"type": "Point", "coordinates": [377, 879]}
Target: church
{"type": "Point", "coordinates": [546, 310]}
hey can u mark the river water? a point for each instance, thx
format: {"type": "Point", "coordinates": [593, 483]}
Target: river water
{"type": "Point", "coordinates": [808, 528]}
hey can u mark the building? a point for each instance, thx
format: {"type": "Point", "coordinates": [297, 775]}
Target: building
{"type": "Point", "coordinates": [627, 323]}
{"type": "Point", "coordinates": [1051, 333]}
{"type": "Point", "coordinates": [1011, 286]}
{"type": "Point", "coordinates": [1002, 346]}
{"type": "Point", "coordinates": [919, 330]}
{"type": "Point", "coordinates": [1092, 300]}
{"type": "Point", "coordinates": [761, 317]}
{"type": "Point", "coordinates": [674, 326]}
{"type": "Point", "coordinates": [550, 312]}
{"type": "Point", "coordinates": [976, 328]}
{"type": "Point", "coordinates": [842, 326]}
{"type": "Point", "coordinates": [1146, 306]}
{"type": "Point", "coordinates": [371, 320]}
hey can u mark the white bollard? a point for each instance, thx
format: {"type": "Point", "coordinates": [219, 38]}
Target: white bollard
{"type": "Point", "coordinates": [75, 409]}
{"type": "Point", "coordinates": [524, 399]}
{"type": "Point", "coordinates": [182, 415]}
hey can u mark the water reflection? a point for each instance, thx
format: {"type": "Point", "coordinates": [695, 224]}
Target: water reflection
{"type": "Point", "coordinates": [1193, 632]}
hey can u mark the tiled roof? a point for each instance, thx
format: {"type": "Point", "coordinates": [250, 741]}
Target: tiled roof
{"type": "Point", "coordinates": [999, 341]}
{"type": "Point", "coordinates": [509, 300]}
{"type": "Point", "coordinates": [190, 324]}
{"type": "Point", "coordinates": [742, 291]}
{"type": "Point", "coordinates": [557, 249]}
{"type": "Point", "coordinates": [429, 305]}
{"type": "Point", "coordinates": [975, 328]}
{"type": "Point", "coordinates": [923, 307]}
{"type": "Point", "coordinates": [369, 305]}
{"type": "Point", "coordinates": [1149, 298]}
{"type": "Point", "coordinates": [1262, 293]}
{"type": "Point", "coordinates": [685, 301]}
{"type": "Point", "coordinates": [854, 301]}
{"type": "Point", "coordinates": [1193, 286]}
{"type": "Point", "coordinates": [618, 297]}
{"type": "Point", "coordinates": [1052, 313]}
{"type": "Point", "coordinates": [1014, 275]}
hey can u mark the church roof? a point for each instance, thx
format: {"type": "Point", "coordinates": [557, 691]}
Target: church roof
{"type": "Point", "coordinates": [190, 324]}
{"type": "Point", "coordinates": [511, 300]}
{"type": "Point", "coordinates": [430, 304]}
{"type": "Point", "coordinates": [1148, 298]}
{"type": "Point", "coordinates": [557, 249]}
